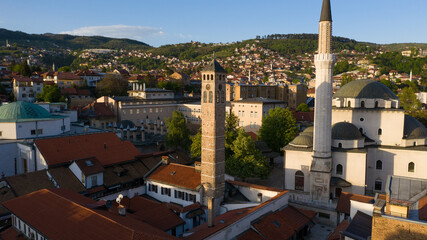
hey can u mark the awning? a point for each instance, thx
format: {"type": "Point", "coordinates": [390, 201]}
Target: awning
{"type": "Point", "coordinates": [339, 182]}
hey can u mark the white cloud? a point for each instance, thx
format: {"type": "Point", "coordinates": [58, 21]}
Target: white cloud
{"type": "Point", "coordinates": [140, 33]}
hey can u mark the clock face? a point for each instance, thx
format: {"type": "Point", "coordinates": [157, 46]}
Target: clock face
{"type": "Point", "coordinates": [208, 87]}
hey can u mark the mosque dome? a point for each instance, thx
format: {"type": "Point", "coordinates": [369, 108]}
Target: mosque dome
{"type": "Point", "coordinates": [23, 111]}
{"type": "Point", "coordinates": [302, 141]}
{"type": "Point", "coordinates": [365, 88]}
{"type": "Point", "coordinates": [309, 130]}
{"type": "Point", "coordinates": [413, 129]}
{"type": "Point", "coordinates": [345, 131]}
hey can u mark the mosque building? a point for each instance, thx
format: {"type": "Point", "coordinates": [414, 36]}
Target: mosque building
{"type": "Point", "coordinates": [360, 135]}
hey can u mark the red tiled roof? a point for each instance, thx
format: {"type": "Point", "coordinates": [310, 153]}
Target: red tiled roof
{"type": "Point", "coordinates": [344, 201]}
{"type": "Point", "coordinates": [154, 213]}
{"type": "Point", "coordinates": [304, 116]}
{"type": "Point", "coordinates": [106, 147]}
{"type": "Point", "coordinates": [335, 235]}
{"type": "Point", "coordinates": [176, 175]}
{"type": "Point", "coordinates": [227, 219]}
{"type": "Point", "coordinates": [253, 135]}
{"type": "Point", "coordinates": [181, 209]}
{"type": "Point", "coordinates": [89, 166]}
{"type": "Point", "coordinates": [100, 109]}
{"type": "Point", "coordinates": [59, 218]}
{"type": "Point", "coordinates": [422, 209]}
{"type": "Point", "coordinates": [11, 234]}
{"type": "Point", "coordinates": [250, 235]}
{"type": "Point", "coordinates": [67, 76]}
{"type": "Point", "coordinates": [74, 91]}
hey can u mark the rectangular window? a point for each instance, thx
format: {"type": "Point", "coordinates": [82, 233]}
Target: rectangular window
{"type": "Point", "coordinates": [137, 111]}
{"type": "Point", "coordinates": [39, 131]}
{"type": "Point", "coordinates": [151, 110]}
{"type": "Point", "coordinates": [94, 181]}
{"type": "Point", "coordinates": [252, 114]}
{"type": "Point", "coordinates": [378, 185]}
{"type": "Point", "coordinates": [130, 111]}
{"type": "Point", "coordinates": [144, 110]}
{"type": "Point", "coordinates": [33, 132]}
{"type": "Point", "coordinates": [256, 114]}
{"type": "Point", "coordinates": [243, 113]}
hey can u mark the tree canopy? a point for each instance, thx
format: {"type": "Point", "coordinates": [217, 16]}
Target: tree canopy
{"type": "Point", "coordinates": [303, 107]}
{"type": "Point", "coordinates": [112, 85]}
{"type": "Point", "coordinates": [246, 161]}
{"type": "Point", "coordinates": [196, 145]}
{"type": "Point", "coordinates": [278, 128]}
{"type": "Point", "coordinates": [231, 132]}
{"type": "Point", "coordinates": [409, 100]}
{"type": "Point", "coordinates": [178, 134]}
{"type": "Point", "coordinates": [51, 94]}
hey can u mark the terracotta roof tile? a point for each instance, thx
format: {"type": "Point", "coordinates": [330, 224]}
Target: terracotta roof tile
{"type": "Point", "coordinates": [67, 76]}
{"type": "Point", "coordinates": [181, 209]}
{"type": "Point", "coordinates": [344, 201]}
{"type": "Point", "coordinates": [89, 166]}
{"type": "Point", "coordinates": [29, 182]}
{"type": "Point", "coordinates": [66, 179]}
{"type": "Point", "coordinates": [176, 175]}
{"type": "Point", "coordinates": [56, 217]}
{"type": "Point", "coordinates": [335, 235]}
{"type": "Point", "coordinates": [97, 110]}
{"type": "Point", "coordinates": [250, 235]}
{"type": "Point", "coordinates": [106, 147]}
{"type": "Point", "coordinates": [5, 195]}
{"type": "Point", "coordinates": [11, 234]}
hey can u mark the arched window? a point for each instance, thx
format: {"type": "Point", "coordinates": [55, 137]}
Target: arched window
{"type": "Point", "coordinates": [217, 97]}
{"type": "Point", "coordinates": [339, 145]}
{"type": "Point", "coordinates": [362, 104]}
{"type": "Point", "coordinates": [339, 169]}
{"type": "Point", "coordinates": [222, 97]}
{"type": "Point", "coordinates": [299, 181]}
{"type": "Point", "coordinates": [378, 185]}
{"type": "Point", "coordinates": [348, 104]}
{"type": "Point", "coordinates": [376, 104]}
{"type": "Point", "coordinates": [380, 131]}
{"type": "Point", "coordinates": [212, 77]}
{"type": "Point", "coordinates": [205, 96]}
{"type": "Point", "coordinates": [411, 167]}
{"type": "Point", "coordinates": [204, 76]}
{"type": "Point", "coordinates": [210, 96]}
{"type": "Point", "coordinates": [379, 165]}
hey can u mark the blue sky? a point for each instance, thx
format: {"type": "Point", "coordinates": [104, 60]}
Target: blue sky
{"type": "Point", "coordinates": [159, 22]}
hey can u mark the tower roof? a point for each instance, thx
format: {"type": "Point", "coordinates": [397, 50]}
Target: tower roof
{"type": "Point", "coordinates": [345, 131]}
{"type": "Point", "coordinates": [326, 11]}
{"type": "Point", "coordinates": [413, 129]}
{"type": "Point", "coordinates": [213, 66]}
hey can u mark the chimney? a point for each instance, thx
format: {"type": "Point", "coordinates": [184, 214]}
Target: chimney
{"type": "Point", "coordinates": [211, 211]}
{"type": "Point", "coordinates": [165, 160]}
{"type": "Point", "coordinates": [198, 166]}
{"type": "Point", "coordinates": [122, 210]}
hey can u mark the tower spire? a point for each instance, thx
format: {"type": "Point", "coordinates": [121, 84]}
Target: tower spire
{"type": "Point", "coordinates": [326, 11]}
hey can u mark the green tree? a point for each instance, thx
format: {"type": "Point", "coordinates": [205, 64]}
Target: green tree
{"type": "Point", "coordinates": [178, 134]}
{"type": "Point", "coordinates": [390, 85]}
{"type": "Point", "coordinates": [246, 161]}
{"type": "Point", "coordinates": [196, 145]}
{"type": "Point", "coordinates": [409, 100]}
{"type": "Point", "coordinates": [64, 69]}
{"type": "Point", "coordinates": [112, 85]}
{"type": "Point", "coordinates": [303, 107]}
{"type": "Point", "coordinates": [51, 94]}
{"type": "Point", "coordinates": [278, 128]}
{"type": "Point", "coordinates": [169, 85]}
{"type": "Point", "coordinates": [231, 132]}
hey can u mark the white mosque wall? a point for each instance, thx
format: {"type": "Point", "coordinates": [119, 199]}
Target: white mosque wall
{"type": "Point", "coordinates": [353, 169]}
{"type": "Point", "coordinates": [297, 161]}
{"type": "Point", "coordinates": [391, 123]}
{"type": "Point", "coordinates": [8, 130]}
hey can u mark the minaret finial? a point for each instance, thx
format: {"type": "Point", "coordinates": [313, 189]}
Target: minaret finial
{"type": "Point", "coordinates": [326, 14]}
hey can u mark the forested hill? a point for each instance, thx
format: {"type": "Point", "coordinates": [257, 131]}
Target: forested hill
{"type": "Point", "coordinates": [285, 44]}
{"type": "Point", "coordinates": [52, 41]}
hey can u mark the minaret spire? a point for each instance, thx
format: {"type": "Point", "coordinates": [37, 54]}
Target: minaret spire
{"type": "Point", "coordinates": [321, 166]}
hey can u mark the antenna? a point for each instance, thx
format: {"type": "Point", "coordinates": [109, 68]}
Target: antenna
{"type": "Point", "coordinates": [119, 198]}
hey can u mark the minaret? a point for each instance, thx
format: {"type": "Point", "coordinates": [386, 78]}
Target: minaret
{"type": "Point", "coordinates": [213, 139]}
{"type": "Point", "coordinates": [320, 171]}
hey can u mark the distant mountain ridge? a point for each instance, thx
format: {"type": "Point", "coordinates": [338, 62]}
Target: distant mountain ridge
{"type": "Point", "coordinates": [52, 41]}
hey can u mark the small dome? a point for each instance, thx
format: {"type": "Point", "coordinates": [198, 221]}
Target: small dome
{"type": "Point", "coordinates": [302, 141]}
{"type": "Point", "coordinates": [309, 130]}
{"type": "Point", "coordinates": [365, 88]}
{"type": "Point", "coordinates": [345, 131]}
{"type": "Point", "coordinates": [23, 111]}
{"type": "Point", "coordinates": [413, 129]}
